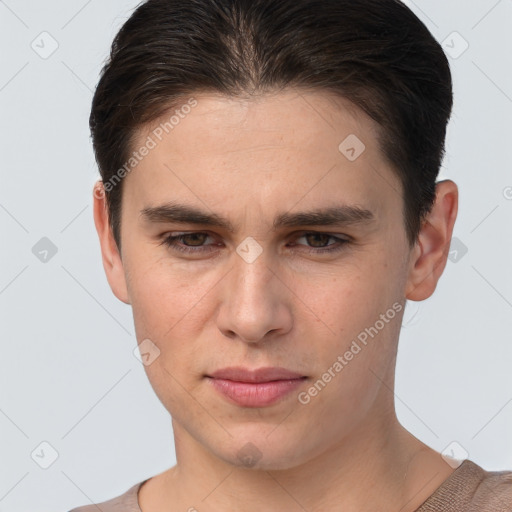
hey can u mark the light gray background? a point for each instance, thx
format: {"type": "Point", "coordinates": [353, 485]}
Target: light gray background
{"type": "Point", "coordinates": [68, 376]}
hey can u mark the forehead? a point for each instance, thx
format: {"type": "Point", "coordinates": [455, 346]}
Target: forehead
{"type": "Point", "coordinates": [283, 147]}
{"type": "Point", "coordinates": [292, 115]}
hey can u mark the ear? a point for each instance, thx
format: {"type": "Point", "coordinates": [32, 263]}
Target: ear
{"type": "Point", "coordinates": [112, 262]}
{"type": "Point", "coordinates": [428, 258]}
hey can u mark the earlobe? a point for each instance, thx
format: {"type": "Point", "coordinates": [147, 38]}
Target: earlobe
{"type": "Point", "coordinates": [112, 262]}
{"type": "Point", "coordinates": [429, 256]}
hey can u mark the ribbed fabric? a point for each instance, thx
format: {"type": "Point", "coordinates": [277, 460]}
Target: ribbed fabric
{"type": "Point", "coordinates": [472, 489]}
{"type": "Point", "coordinates": [126, 502]}
{"type": "Point", "coordinates": [468, 489]}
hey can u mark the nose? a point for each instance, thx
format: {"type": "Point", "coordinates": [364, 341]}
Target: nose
{"type": "Point", "coordinates": [255, 303]}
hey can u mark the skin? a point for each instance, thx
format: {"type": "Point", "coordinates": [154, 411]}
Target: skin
{"type": "Point", "coordinates": [250, 160]}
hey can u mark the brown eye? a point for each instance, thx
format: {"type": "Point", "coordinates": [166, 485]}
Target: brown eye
{"type": "Point", "coordinates": [318, 243]}
{"type": "Point", "coordinates": [318, 239]}
{"type": "Point", "coordinates": [191, 243]}
{"type": "Point", "coordinates": [193, 239]}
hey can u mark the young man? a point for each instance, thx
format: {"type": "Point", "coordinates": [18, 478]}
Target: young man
{"type": "Point", "coordinates": [268, 203]}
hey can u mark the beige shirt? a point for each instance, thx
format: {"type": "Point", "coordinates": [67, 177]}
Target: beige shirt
{"type": "Point", "coordinates": [468, 489]}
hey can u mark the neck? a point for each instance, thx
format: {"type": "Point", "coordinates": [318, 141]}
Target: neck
{"type": "Point", "coordinates": [377, 466]}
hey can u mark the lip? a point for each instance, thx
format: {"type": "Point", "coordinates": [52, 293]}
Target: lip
{"type": "Point", "coordinates": [267, 374]}
{"type": "Point", "coordinates": [255, 388]}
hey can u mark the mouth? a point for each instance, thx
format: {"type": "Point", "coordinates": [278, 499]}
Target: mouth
{"type": "Point", "coordinates": [255, 388]}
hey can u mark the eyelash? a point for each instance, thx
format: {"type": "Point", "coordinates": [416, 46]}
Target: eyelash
{"type": "Point", "coordinates": [171, 242]}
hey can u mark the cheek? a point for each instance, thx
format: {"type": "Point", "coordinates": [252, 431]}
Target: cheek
{"type": "Point", "coordinates": [166, 297]}
{"type": "Point", "coordinates": [358, 317]}
{"type": "Point", "coordinates": [167, 310]}
{"type": "Point", "coordinates": [349, 300]}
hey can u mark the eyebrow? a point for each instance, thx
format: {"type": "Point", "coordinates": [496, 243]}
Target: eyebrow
{"type": "Point", "coordinates": [172, 212]}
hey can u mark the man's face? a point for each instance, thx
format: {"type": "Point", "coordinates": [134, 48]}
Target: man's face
{"type": "Point", "coordinates": [279, 298]}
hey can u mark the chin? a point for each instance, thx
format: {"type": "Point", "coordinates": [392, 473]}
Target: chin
{"type": "Point", "coordinates": [264, 451]}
